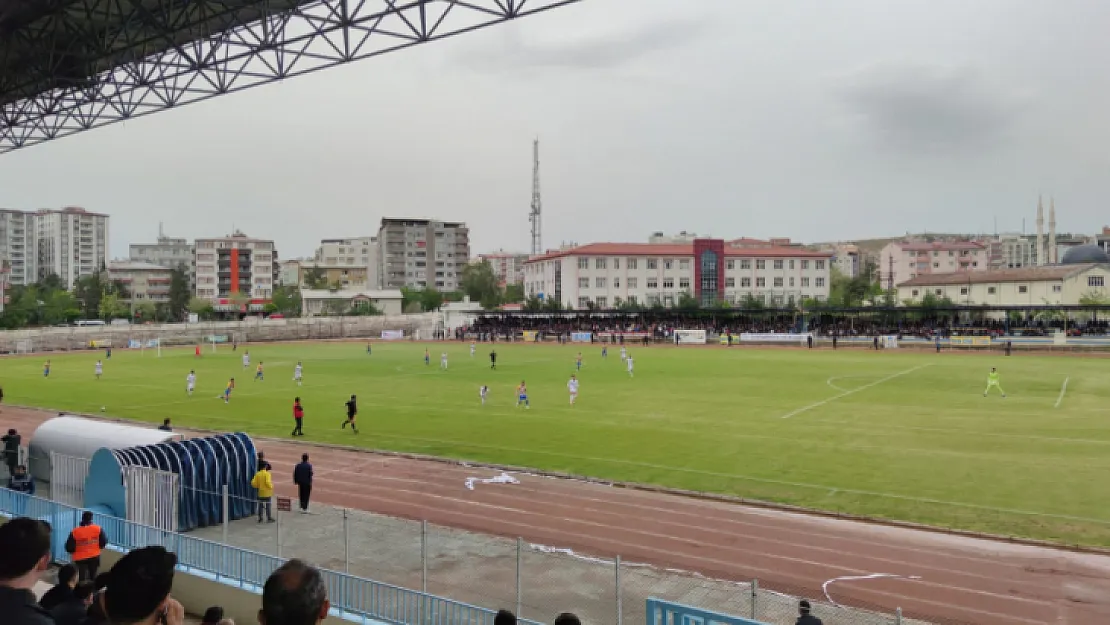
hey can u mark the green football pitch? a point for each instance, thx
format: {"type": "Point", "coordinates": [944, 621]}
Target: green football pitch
{"type": "Point", "coordinates": [902, 435]}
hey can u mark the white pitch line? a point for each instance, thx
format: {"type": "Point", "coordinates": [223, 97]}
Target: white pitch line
{"type": "Point", "coordinates": [1063, 389]}
{"type": "Point", "coordinates": [853, 391]}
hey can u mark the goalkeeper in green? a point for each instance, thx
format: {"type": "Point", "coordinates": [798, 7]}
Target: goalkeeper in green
{"type": "Point", "coordinates": [992, 382]}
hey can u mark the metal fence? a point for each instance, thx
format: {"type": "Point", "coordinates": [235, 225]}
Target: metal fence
{"type": "Point", "coordinates": [249, 569]}
{"type": "Point", "coordinates": [535, 581]}
{"type": "Point", "coordinates": [67, 478]}
{"type": "Point", "coordinates": [152, 497]}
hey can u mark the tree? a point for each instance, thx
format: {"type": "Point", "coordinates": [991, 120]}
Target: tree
{"type": "Point", "coordinates": [686, 301]}
{"type": "Point", "coordinates": [112, 307]}
{"type": "Point", "coordinates": [751, 302]}
{"type": "Point", "coordinates": [514, 293]}
{"type": "Point", "coordinates": [180, 293]}
{"type": "Point", "coordinates": [430, 299]}
{"type": "Point", "coordinates": [59, 307]}
{"type": "Point", "coordinates": [533, 304]}
{"type": "Point", "coordinates": [1094, 297]}
{"type": "Point", "coordinates": [51, 282]}
{"type": "Point", "coordinates": [480, 284]}
{"type": "Point", "coordinates": [201, 307]}
{"type": "Point", "coordinates": [315, 278]}
{"type": "Point", "coordinates": [364, 308]}
{"type": "Point", "coordinates": [88, 291]}
{"type": "Point", "coordinates": [145, 311]}
{"type": "Point", "coordinates": [552, 305]}
{"type": "Point", "coordinates": [287, 301]}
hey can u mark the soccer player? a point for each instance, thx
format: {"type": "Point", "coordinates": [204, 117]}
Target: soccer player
{"type": "Point", "coordinates": [298, 372]}
{"type": "Point", "coordinates": [352, 412]}
{"type": "Point", "coordinates": [572, 386]}
{"type": "Point", "coordinates": [604, 351]}
{"type": "Point", "coordinates": [472, 349]}
{"type": "Point", "coordinates": [246, 359]}
{"type": "Point", "coordinates": [522, 395]}
{"type": "Point", "coordinates": [46, 369]}
{"type": "Point", "coordinates": [483, 393]}
{"type": "Point", "coordinates": [298, 417]}
{"type": "Point", "coordinates": [629, 361]}
{"type": "Point", "coordinates": [443, 361]}
{"type": "Point", "coordinates": [258, 372]}
{"type": "Point", "coordinates": [227, 390]}
{"type": "Point", "coordinates": [624, 354]}
{"type": "Point", "coordinates": [197, 352]}
{"type": "Point", "coordinates": [493, 359]}
{"type": "Point", "coordinates": [992, 382]}
{"type": "Point", "coordinates": [578, 361]}
{"type": "Point", "coordinates": [190, 383]}
{"type": "Point", "coordinates": [99, 369]}
{"type": "Point", "coordinates": [369, 350]}
{"type": "Point", "coordinates": [427, 358]}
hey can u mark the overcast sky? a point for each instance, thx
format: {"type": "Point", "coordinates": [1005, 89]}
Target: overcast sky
{"type": "Point", "coordinates": [809, 119]}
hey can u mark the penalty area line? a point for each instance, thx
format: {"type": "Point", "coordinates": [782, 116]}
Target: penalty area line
{"type": "Point", "coordinates": [1063, 389]}
{"type": "Point", "coordinates": [852, 392]}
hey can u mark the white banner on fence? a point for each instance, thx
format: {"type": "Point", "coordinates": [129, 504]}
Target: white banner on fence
{"type": "Point", "coordinates": [690, 337]}
{"type": "Point", "coordinates": [393, 335]}
{"type": "Point", "coordinates": [773, 337]}
{"type": "Point", "coordinates": [152, 497]}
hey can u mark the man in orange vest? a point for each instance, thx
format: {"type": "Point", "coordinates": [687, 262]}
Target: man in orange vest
{"type": "Point", "coordinates": [84, 544]}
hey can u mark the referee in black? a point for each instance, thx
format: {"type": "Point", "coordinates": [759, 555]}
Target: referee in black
{"type": "Point", "coordinates": [302, 477]}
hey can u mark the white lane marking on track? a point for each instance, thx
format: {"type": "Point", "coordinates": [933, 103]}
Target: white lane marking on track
{"type": "Point", "coordinates": [852, 392]}
{"type": "Point", "coordinates": [859, 578]}
{"type": "Point", "coordinates": [1063, 389]}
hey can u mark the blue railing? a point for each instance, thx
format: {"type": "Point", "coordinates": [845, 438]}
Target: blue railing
{"type": "Point", "coordinates": [661, 612]}
{"type": "Point", "coordinates": [350, 596]}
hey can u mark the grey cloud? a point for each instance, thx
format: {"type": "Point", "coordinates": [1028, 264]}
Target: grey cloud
{"type": "Point", "coordinates": [928, 110]}
{"type": "Point", "coordinates": [600, 51]}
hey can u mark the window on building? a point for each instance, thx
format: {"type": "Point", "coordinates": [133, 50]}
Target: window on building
{"type": "Point", "coordinates": [652, 283]}
{"type": "Point", "coordinates": [1023, 289]}
{"type": "Point", "coordinates": [805, 282]}
{"type": "Point", "coordinates": [938, 292]}
{"type": "Point", "coordinates": [791, 265]}
{"type": "Point", "coordinates": [935, 265]}
{"type": "Point", "coordinates": [819, 282]}
{"type": "Point", "coordinates": [616, 283]}
{"type": "Point", "coordinates": [963, 290]}
{"type": "Point", "coordinates": [818, 264]}
{"type": "Point", "coordinates": [599, 282]}
{"type": "Point", "coordinates": [805, 264]}
{"type": "Point", "coordinates": [583, 302]}
{"type": "Point", "coordinates": [745, 283]}
{"type": "Point", "coordinates": [778, 283]}
{"type": "Point", "coordinates": [1056, 288]}
{"type": "Point", "coordinates": [652, 263]}
{"type": "Point", "coordinates": [668, 264]}
{"type": "Point", "coordinates": [668, 283]}
{"type": "Point", "coordinates": [684, 283]}
{"type": "Point", "coordinates": [730, 264]}
{"type": "Point", "coordinates": [632, 283]}
{"type": "Point", "coordinates": [1094, 281]}
{"type": "Point", "coordinates": [990, 290]}
{"type": "Point", "coordinates": [583, 283]}
{"type": "Point", "coordinates": [632, 299]}
{"type": "Point", "coordinates": [616, 263]}
{"type": "Point", "coordinates": [760, 264]}
{"type": "Point", "coordinates": [760, 283]}
{"type": "Point", "coordinates": [791, 282]}
{"type": "Point", "coordinates": [630, 263]}
{"type": "Point", "coordinates": [668, 301]}
{"type": "Point", "coordinates": [583, 263]}
{"type": "Point", "coordinates": [684, 265]}
{"type": "Point", "coordinates": [746, 263]}
{"type": "Point", "coordinates": [602, 302]}
{"type": "Point", "coordinates": [913, 293]}
{"type": "Point", "coordinates": [778, 264]}
{"type": "Point", "coordinates": [730, 283]}
{"type": "Point", "coordinates": [599, 263]}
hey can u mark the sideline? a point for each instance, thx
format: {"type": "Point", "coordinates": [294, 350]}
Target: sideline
{"type": "Point", "coordinates": [1063, 389]}
{"type": "Point", "coordinates": [853, 391]}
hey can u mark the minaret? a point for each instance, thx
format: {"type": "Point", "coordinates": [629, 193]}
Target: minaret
{"type": "Point", "coordinates": [1040, 232]}
{"type": "Point", "coordinates": [1052, 231]}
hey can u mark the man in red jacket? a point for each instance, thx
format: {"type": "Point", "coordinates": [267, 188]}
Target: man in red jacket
{"type": "Point", "coordinates": [298, 417]}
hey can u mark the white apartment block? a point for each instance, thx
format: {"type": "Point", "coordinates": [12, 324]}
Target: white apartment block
{"type": "Point", "coordinates": [145, 282]}
{"type": "Point", "coordinates": [422, 253]}
{"type": "Point", "coordinates": [166, 252]}
{"type": "Point", "coordinates": [236, 266]}
{"type": "Point", "coordinates": [70, 243]}
{"type": "Point", "coordinates": [18, 247]}
{"type": "Point", "coordinates": [910, 259]}
{"type": "Point", "coordinates": [347, 253]}
{"type": "Point", "coordinates": [507, 267]}
{"type": "Point", "coordinates": [609, 274]}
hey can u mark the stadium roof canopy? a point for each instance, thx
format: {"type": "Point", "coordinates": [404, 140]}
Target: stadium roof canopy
{"type": "Point", "coordinates": [73, 65]}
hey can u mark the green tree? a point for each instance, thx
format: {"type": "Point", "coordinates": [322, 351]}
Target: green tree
{"type": "Point", "coordinates": [1094, 297]}
{"type": "Point", "coordinates": [751, 302]}
{"type": "Point", "coordinates": [364, 309]}
{"type": "Point", "coordinates": [59, 307]}
{"type": "Point", "coordinates": [88, 291]}
{"type": "Point", "coordinates": [315, 278]}
{"type": "Point", "coordinates": [180, 294]}
{"type": "Point", "coordinates": [287, 301]}
{"type": "Point", "coordinates": [533, 304]}
{"type": "Point", "coordinates": [112, 307]}
{"type": "Point", "coordinates": [552, 305]}
{"type": "Point", "coordinates": [481, 285]}
{"type": "Point", "coordinates": [513, 294]}
{"type": "Point", "coordinates": [430, 299]}
{"type": "Point", "coordinates": [201, 307]}
{"type": "Point", "coordinates": [51, 282]}
{"type": "Point", "coordinates": [686, 301]}
{"type": "Point", "coordinates": [145, 311]}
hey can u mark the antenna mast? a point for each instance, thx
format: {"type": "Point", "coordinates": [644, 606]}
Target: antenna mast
{"type": "Point", "coordinates": [534, 214]}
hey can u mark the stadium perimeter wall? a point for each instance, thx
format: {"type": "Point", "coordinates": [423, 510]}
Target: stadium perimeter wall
{"type": "Point", "coordinates": [249, 330]}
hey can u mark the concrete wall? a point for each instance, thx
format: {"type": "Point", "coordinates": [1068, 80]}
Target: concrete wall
{"type": "Point", "coordinates": [252, 329]}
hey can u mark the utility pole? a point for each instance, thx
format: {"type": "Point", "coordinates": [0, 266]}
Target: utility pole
{"type": "Point", "coordinates": [534, 216]}
{"type": "Point", "coordinates": [890, 281]}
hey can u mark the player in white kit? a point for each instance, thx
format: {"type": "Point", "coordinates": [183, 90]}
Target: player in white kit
{"type": "Point", "coordinates": [624, 354]}
{"type": "Point", "coordinates": [572, 386]}
{"type": "Point", "coordinates": [483, 393]}
{"type": "Point", "coordinates": [443, 361]}
{"type": "Point", "coordinates": [472, 348]}
{"type": "Point", "coordinates": [629, 361]}
{"type": "Point", "coordinates": [99, 369]}
{"type": "Point", "coordinates": [246, 359]}
{"type": "Point", "coordinates": [298, 372]}
{"type": "Point", "coordinates": [190, 382]}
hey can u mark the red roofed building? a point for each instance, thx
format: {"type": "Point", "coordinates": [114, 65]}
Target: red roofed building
{"type": "Point", "coordinates": [609, 274]}
{"type": "Point", "coordinates": [910, 259]}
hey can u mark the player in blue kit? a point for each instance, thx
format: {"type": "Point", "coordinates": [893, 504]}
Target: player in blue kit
{"type": "Point", "coordinates": [427, 358]}
{"type": "Point", "coordinates": [578, 361]}
{"type": "Point", "coordinates": [522, 395]}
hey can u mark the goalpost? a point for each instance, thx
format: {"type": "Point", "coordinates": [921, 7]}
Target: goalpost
{"type": "Point", "coordinates": [690, 337]}
{"type": "Point", "coordinates": [24, 346]}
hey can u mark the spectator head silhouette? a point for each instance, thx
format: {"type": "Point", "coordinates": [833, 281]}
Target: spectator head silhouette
{"type": "Point", "coordinates": [803, 607]}
{"type": "Point", "coordinates": [68, 575]}
{"type": "Point", "coordinates": [213, 615]}
{"type": "Point", "coordinates": [504, 617]}
{"type": "Point", "coordinates": [25, 544]}
{"type": "Point", "coordinates": [139, 586]}
{"type": "Point", "coordinates": [294, 594]}
{"type": "Point", "coordinates": [84, 592]}
{"type": "Point", "coordinates": [566, 618]}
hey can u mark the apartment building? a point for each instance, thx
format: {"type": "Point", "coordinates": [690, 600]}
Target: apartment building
{"type": "Point", "coordinates": [167, 252]}
{"type": "Point", "coordinates": [422, 253]}
{"type": "Point", "coordinates": [350, 258]}
{"type": "Point", "coordinates": [507, 266]}
{"type": "Point", "coordinates": [18, 247]}
{"type": "Point", "coordinates": [236, 267]}
{"type": "Point", "coordinates": [606, 275]}
{"type": "Point", "coordinates": [910, 259]}
{"type": "Point", "coordinates": [145, 282]}
{"type": "Point", "coordinates": [70, 243]}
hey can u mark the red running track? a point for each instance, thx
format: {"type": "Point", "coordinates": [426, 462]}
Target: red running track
{"type": "Point", "coordinates": [962, 580]}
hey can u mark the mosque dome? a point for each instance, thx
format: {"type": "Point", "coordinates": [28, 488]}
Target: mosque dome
{"type": "Point", "coordinates": [1083, 254]}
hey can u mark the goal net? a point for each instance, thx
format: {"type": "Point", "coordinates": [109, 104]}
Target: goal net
{"type": "Point", "coordinates": [690, 337]}
{"type": "Point", "coordinates": [24, 346]}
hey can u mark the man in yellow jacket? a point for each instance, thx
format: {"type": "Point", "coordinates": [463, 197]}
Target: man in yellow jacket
{"type": "Point", "coordinates": [264, 482]}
